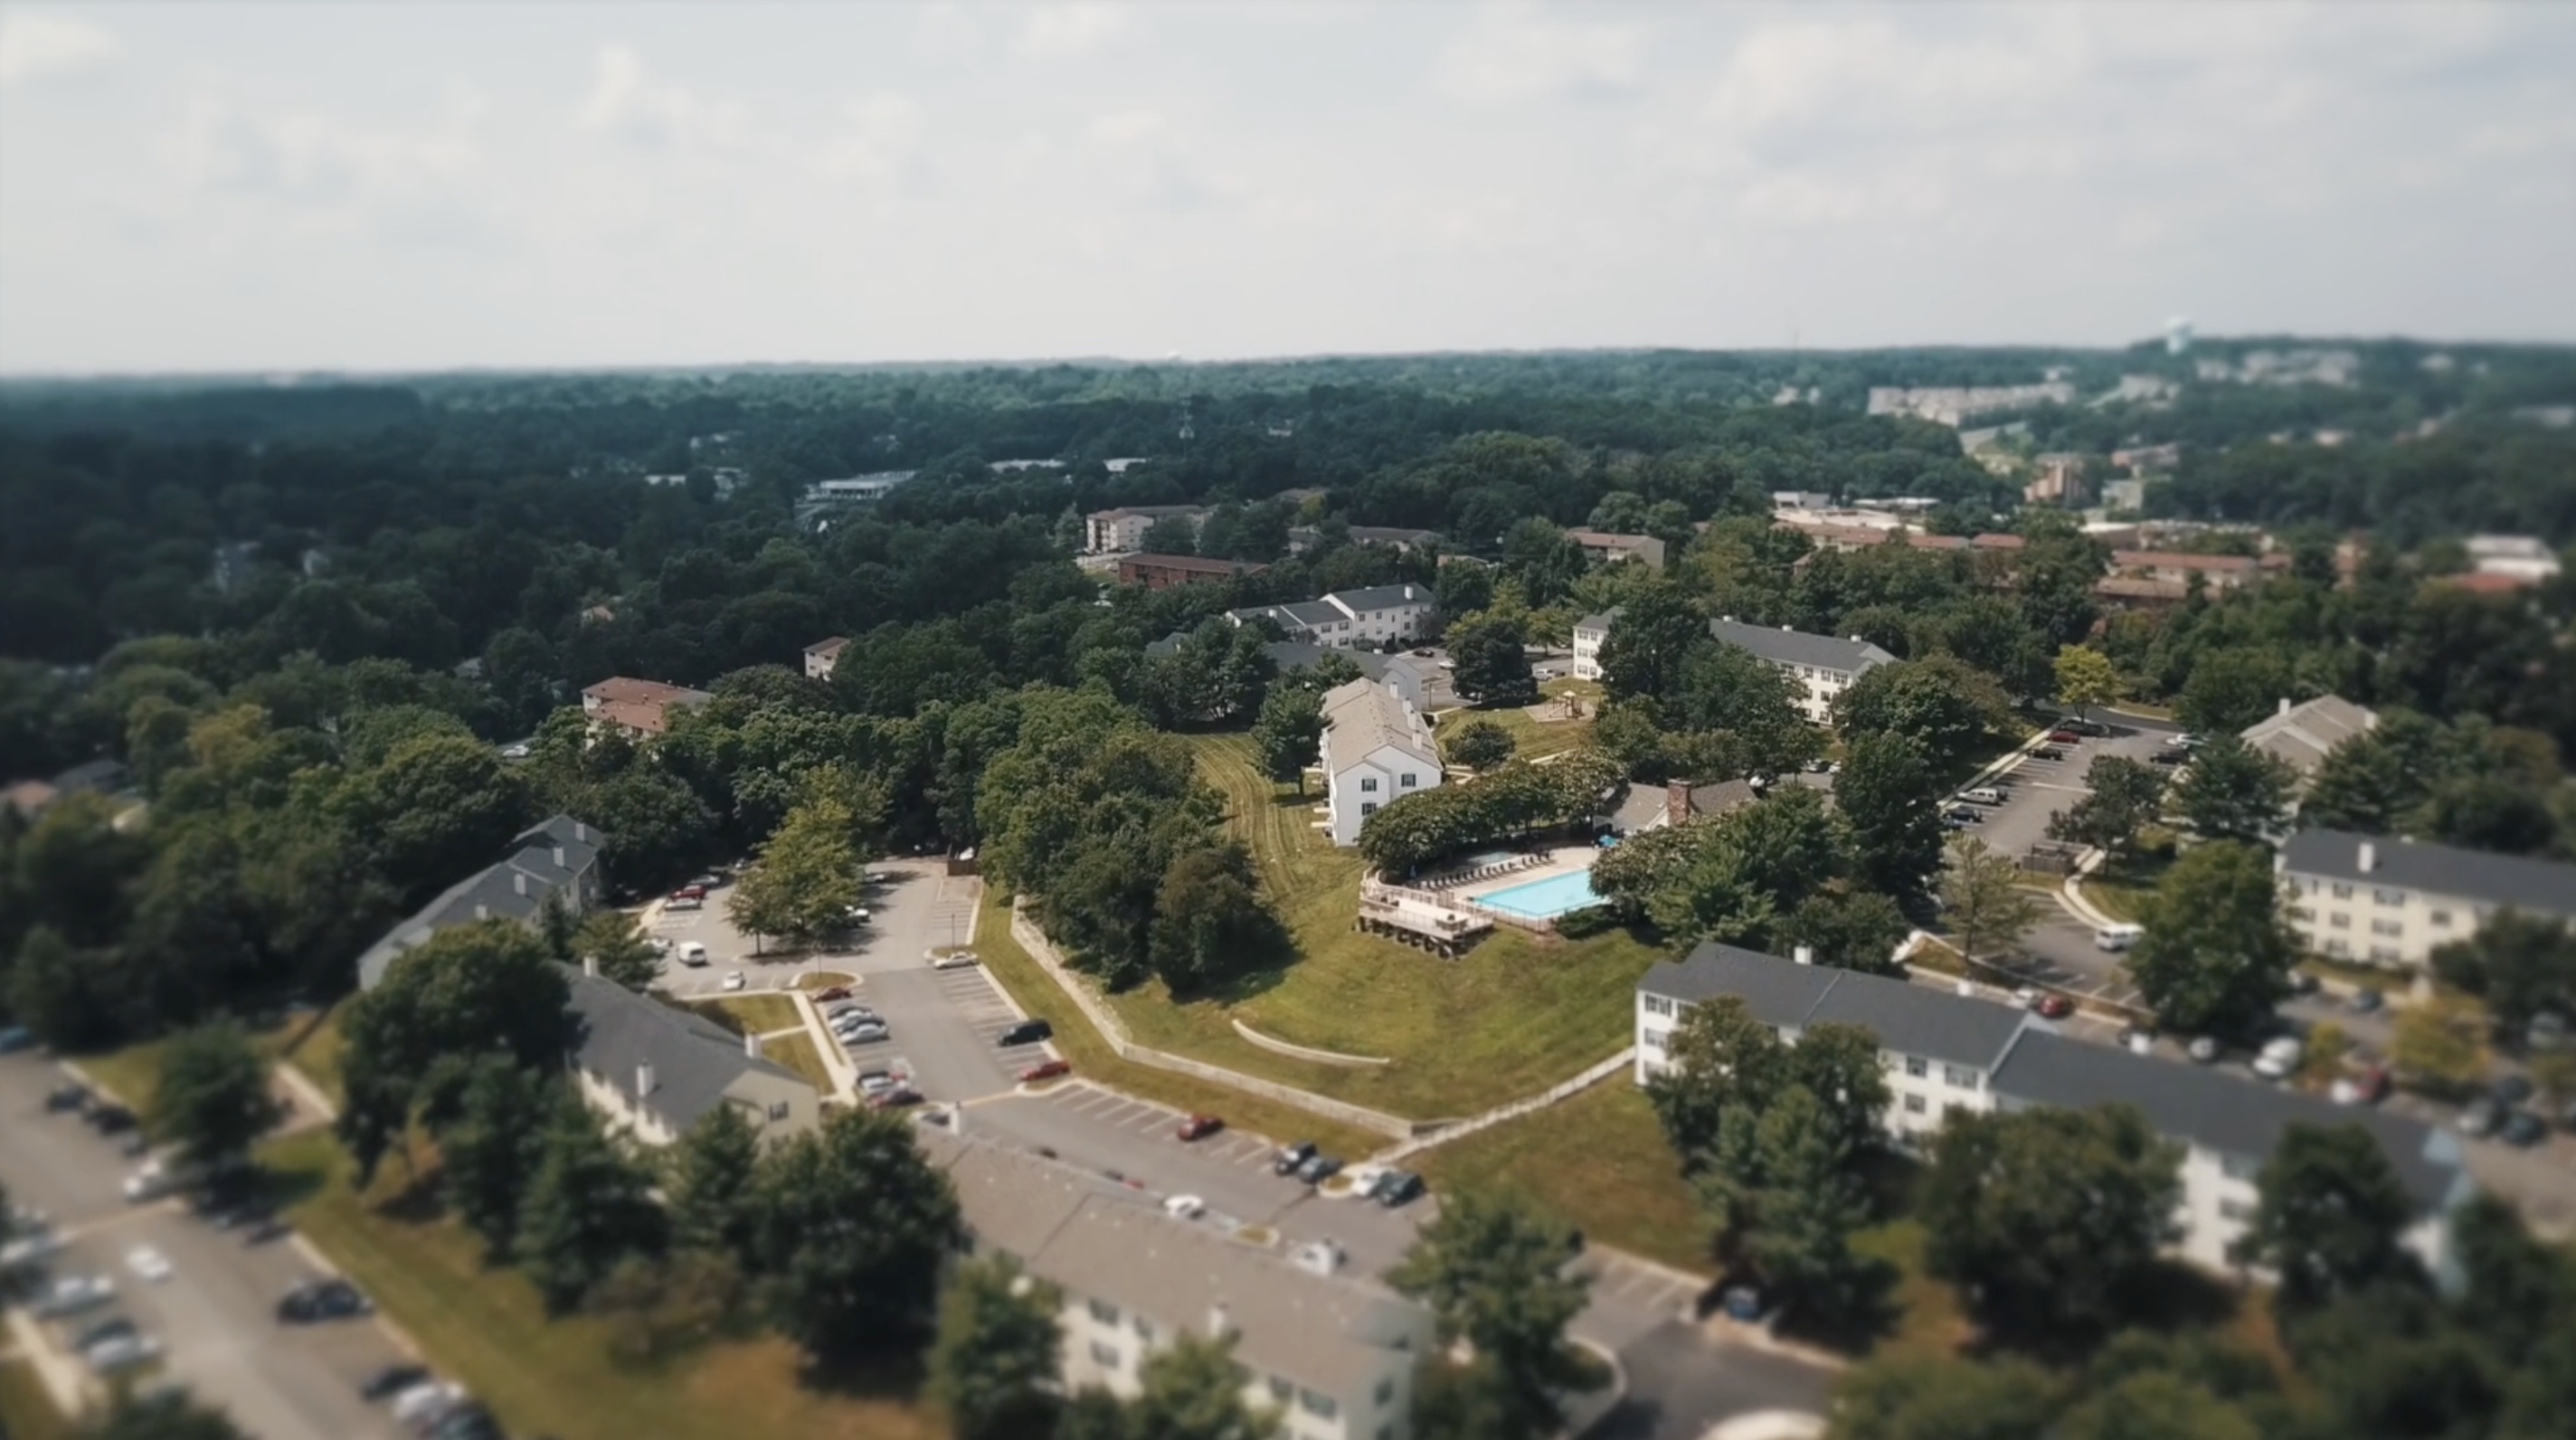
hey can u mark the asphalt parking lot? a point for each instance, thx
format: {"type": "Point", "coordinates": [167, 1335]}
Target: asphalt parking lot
{"type": "Point", "coordinates": [215, 1315]}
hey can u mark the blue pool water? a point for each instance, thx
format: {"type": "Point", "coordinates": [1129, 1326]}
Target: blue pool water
{"type": "Point", "coordinates": [1544, 899]}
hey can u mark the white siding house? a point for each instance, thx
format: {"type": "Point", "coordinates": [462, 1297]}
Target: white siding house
{"type": "Point", "coordinates": [1590, 633]}
{"type": "Point", "coordinates": [1377, 748]}
{"type": "Point", "coordinates": [2389, 901]}
{"type": "Point", "coordinates": [1822, 664]}
{"type": "Point", "coordinates": [1373, 618]}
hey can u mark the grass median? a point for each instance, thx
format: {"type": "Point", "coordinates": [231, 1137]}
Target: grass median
{"type": "Point", "coordinates": [759, 1014]}
{"type": "Point", "coordinates": [1039, 995]}
{"type": "Point", "coordinates": [485, 1328]}
{"type": "Point", "coordinates": [799, 1053]}
{"type": "Point", "coordinates": [26, 1411]}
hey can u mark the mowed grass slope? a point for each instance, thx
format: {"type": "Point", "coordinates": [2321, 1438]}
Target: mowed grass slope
{"type": "Point", "coordinates": [1513, 1016]}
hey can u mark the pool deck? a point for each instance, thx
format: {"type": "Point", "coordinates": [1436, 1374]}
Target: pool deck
{"type": "Point", "coordinates": [1561, 860]}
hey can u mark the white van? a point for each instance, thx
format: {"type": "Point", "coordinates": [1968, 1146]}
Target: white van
{"type": "Point", "coordinates": [1983, 795]}
{"type": "Point", "coordinates": [693, 953]}
{"type": "Point", "coordinates": [2116, 938]}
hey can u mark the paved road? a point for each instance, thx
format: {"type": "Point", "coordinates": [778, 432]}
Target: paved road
{"type": "Point", "coordinates": [216, 1315]}
{"type": "Point", "coordinates": [1681, 1382]}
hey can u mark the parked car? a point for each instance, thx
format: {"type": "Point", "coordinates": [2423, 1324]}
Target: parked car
{"type": "Point", "coordinates": [894, 1097]}
{"type": "Point", "coordinates": [2279, 1057]}
{"type": "Point", "coordinates": [733, 980]}
{"type": "Point", "coordinates": [2049, 753]}
{"type": "Point", "coordinates": [827, 996]}
{"type": "Point", "coordinates": [2054, 1006]}
{"type": "Point", "coordinates": [390, 1380]}
{"type": "Point", "coordinates": [317, 1300]}
{"type": "Point", "coordinates": [70, 1295]}
{"type": "Point", "coordinates": [954, 960]}
{"type": "Point", "coordinates": [422, 1404]}
{"type": "Point", "coordinates": [1199, 1127]}
{"type": "Point", "coordinates": [847, 1008]}
{"type": "Point", "coordinates": [2082, 726]}
{"type": "Point", "coordinates": [1318, 1257]}
{"type": "Point", "coordinates": [1318, 1168]}
{"type": "Point", "coordinates": [2118, 937]}
{"type": "Point", "coordinates": [2368, 1087]}
{"type": "Point", "coordinates": [2365, 1001]}
{"type": "Point", "coordinates": [122, 1353]}
{"type": "Point", "coordinates": [1983, 795]}
{"type": "Point", "coordinates": [2512, 1090]}
{"type": "Point", "coordinates": [2203, 1050]}
{"type": "Point", "coordinates": [1045, 1070]}
{"type": "Point", "coordinates": [866, 1032]}
{"type": "Point", "coordinates": [2026, 996]}
{"type": "Point", "coordinates": [2522, 1128]}
{"type": "Point", "coordinates": [1184, 1207]}
{"type": "Point", "coordinates": [99, 1332]}
{"type": "Point", "coordinates": [2481, 1116]}
{"type": "Point", "coordinates": [2064, 736]}
{"type": "Point", "coordinates": [28, 1249]}
{"type": "Point", "coordinates": [70, 1095]}
{"type": "Point", "coordinates": [691, 891]}
{"type": "Point", "coordinates": [2304, 983]}
{"type": "Point", "coordinates": [2547, 1031]}
{"type": "Point", "coordinates": [2137, 1040]}
{"type": "Point", "coordinates": [1964, 815]}
{"type": "Point", "coordinates": [148, 1264]}
{"type": "Point", "coordinates": [1292, 1156]}
{"type": "Point", "coordinates": [1396, 1188]}
{"type": "Point", "coordinates": [1027, 1032]}
{"type": "Point", "coordinates": [704, 883]}
{"type": "Point", "coordinates": [693, 954]}
{"type": "Point", "coordinates": [14, 1038]}
{"type": "Point", "coordinates": [468, 1421]}
{"type": "Point", "coordinates": [2170, 755]}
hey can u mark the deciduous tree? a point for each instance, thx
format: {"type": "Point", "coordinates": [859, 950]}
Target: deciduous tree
{"type": "Point", "coordinates": [587, 1207]}
{"type": "Point", "coordinates": [2520, 965]}
{"type": "Point", "coordinates": [1479, 745]}
{"type": "Point", "coordinates": [2441, 1042]}
{"type": "Point", "coordinates": [1783, 1200]}
{"type": "Point", "coordinates": [2329, 1217]}
{"type": "Point", "coordinates": [2232, 791]}
{"type": "Point", "coordinates": [2123, 795]}
{"type": "Point", "coordinates": [852, 1227]}
{"type": "Point", "coordinates": [492, 1144]}
{"type": "Point", "coordinates": [2215, 957]}
{"type": "Point", "coordinates": [993, 1361]}
{"type": "Point", "coordinates": [1983, 899]}
{"type": "Point", "coordinates": [1891, 800]}
{"type": "Point", "coordinates": [616, 941]}
{"type": "Point", "coordinates": [2085, 678]}
{"type": "Point", "coordinates": [1288, 731]}
{"type": "Point", "coordinates": [710, 1180]}
{"type": "Point", "coordinates": [1942, 1398]}
{"type": "Point", "coordinates": [1493, 1270]}
{"type": "Point", "coordinates": [807, 876]}
{"type": "Point", "coordinates": [211, 1101]}
{"type": "Point", "coordinates": [1492, 662]}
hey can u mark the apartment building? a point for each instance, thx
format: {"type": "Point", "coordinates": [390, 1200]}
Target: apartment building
{"type": "Point", "coordinates": [652, 1071]}
{"type": "Point", "coordinates": [2389, 901]}
{"type": "Point", "coordinates": [1376, 748]}
{"type": "Point", "coordinates": [824, 656]}
{"type": "Point", "coordinates": [1111, 532]}
{"type": "Point", "coordinates": [1404, 541]}
{"type": "Point", "coordinates": [1162, 572]}
{"type": "Point", "coordinates": [2219, 572]}
{"type": "Point", "coordinates": [1824, 665]}
{"type": "Point", "coordinates": [1331, 1355]}
{"type": "Point", "coordinates": [1590, 633]}
{"type": "Point", "coordinates": [640, 709]}
{"type": "Point", "coordinates": [1378, 616]}
{"type": "Point", "coordinates": [556, 860]}
{"type": "Point", "coordinates": [1946, 1053]}
{"type": "Point", "coordinates": [1603, 548]}
{"type": "Point", "coordinates": [2300, 736]}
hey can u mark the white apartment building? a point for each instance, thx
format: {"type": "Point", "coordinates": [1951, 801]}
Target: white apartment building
{"type": "Point", "coordinates": [1115, 532]}
{"type": "Point", "coordinates": [1590, 633]}
{"type": "Point", "coordinates": [1946, 1053]}
{"type": "Point", "coordinates": [1377, 749]}
{"type": "Point", "coordinates": [823, 656]}
{"type": "Point", "coordinates": [2389, 902]}
{"type": "Point", "coordinates": [651, 1071]}
{"type": "Point", "coordinates": [1332, 1356]}
{"type": "Point", "coordinates": [1824, 665]}
{"type": "Point", "coordinates": [1378, 616]}
{"type": "Point", "coordinates": [2301, 735]}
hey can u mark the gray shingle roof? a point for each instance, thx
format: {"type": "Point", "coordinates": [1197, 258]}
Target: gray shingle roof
{"type": "Point", "coordinates": [1327, 1333]}
{"type": "Point", "coordinates": [1388, 535]}
{"type": "Point", "coordinates": [2215, 1110]}
{"type": "Point", "coordinates": [1777, 991]}
{"type": "Point", "coordinates": [1364, 714]}
{"type": "Point", "coordinates": [2525, 884]}
{"type": "Point", "coordinates": [1598, 624]}
{"type": "Point", "coordinates": [2300, 735]}
{"type": "Point", "coordinates": [1381, 597]}
{"type": "Point", "coordinates": [1644, 807]}
{"type": "Point", "coordinates": [1908, 1018]}
{"type": "Point", "coordinates": [693, 1058]}
{"type": "Point", "coordinates": [1796, 647]}
{"type": "Point", "coordinates": [514, 888]}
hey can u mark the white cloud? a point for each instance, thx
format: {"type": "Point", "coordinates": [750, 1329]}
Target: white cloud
{"type": "Point", "coordinates": [1517, 52]}
{"type": "Point", "coordinates": [33, 45]}
{"type": "Point", "coordinates": [626, 101]}
{"type": "Point", "coordinates": [1076, 28]}
{"type": "Point", "coordinates": [1128, 127]}
{"type": "Point", "coordinates": [881, 142]}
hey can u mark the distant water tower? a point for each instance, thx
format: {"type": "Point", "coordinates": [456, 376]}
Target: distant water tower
{"type": "Point", "coordinates": [2177, 335]}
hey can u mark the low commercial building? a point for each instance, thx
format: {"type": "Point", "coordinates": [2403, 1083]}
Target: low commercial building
{"type": "Point", "coordinates": [1162, 572]}
{"type": "Point", "coordinates": [823, 656]}
{"type": "Point", "coordinates": [556, 861]}
{"type": "Point", "coordinates": [1333, 1356]}
{"type": "Point", "coordinates": [1946, 1053]}
{"type": "Point", "coordinates": [1376, 748]}
{"type": "Point", "coordinates": [1378, 616]}
{"type": "Point", "coordinates": [2391, 901]}
{"type": "Point", "coordinates": [2218, 572]}
{"type": "Point", "coordinates": [652, 1070]}
{"type": "Point", "coordinates": [1109, 532]}
{"type": "Point", "coordinates": [1822, 664]}
{"type": "Point", "coordinates": [2301, 735]}
{"type": "Point", "coordinates": [1604, 548]}
{"type": "Point", "coordinates": [1590, 634]}
{"type": "Point", "coordinates": [639, 709]}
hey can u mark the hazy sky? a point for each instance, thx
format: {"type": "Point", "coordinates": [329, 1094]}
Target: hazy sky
{"type": "Point", "coordinates": [221, 186]}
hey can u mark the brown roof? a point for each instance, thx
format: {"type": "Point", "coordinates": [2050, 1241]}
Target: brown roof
{"type": "Point", "coordinates": [29, 796]}
{"type": "Point", "coordinates": [1997, 540]}
{"type": "Point", "coordinates": [2177, 560]}
{"type": "Point", "coordinates": [833, 646]}
{"type": "Point", "coordinates": [638, 704]}
{"type": "Point", "coordinates": [2486, 582]}
{"type": "Point", "coordinates": [1195, 563]}
{"type": "Point", "coordinates": [2121, 587]}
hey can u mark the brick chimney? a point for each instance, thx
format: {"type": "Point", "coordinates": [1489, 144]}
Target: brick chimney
{"type": "Point", "coordinates": [559, 859]}
{"type": "Point", "coordinates": [751, 1045]}
{"type": "Point", "coordinates": [643, 1079]}
{"type": "Point", "coordinates": [590, 966]}
{"type": "Point", "coordinates": [1676, 801]}
{"type": "Point", "coordinates": [2369, 857]}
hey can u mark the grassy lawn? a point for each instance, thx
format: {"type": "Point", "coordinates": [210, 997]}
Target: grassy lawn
{"type": "Point", "coordinates": [759, 1014]}
{"type": "Point", "coordinates": [1514, 1015]}
{"type": "Point", "coordinates": [2121, 887]}
{"type": "Point", "coordinates": [486, 1328]}
{"type": "Point", "coordinates": [1929, 1321]}
{"type": "Point", "coordinates": [131, 1073]}
{"type": "Point", "coordinates": [317, 1054]}
{"type": "Point", "coordinates": [1599, 1160]}
{"type": "Point", "coordinates": [1534, 738]}
{"type": "Point", "coordinates": [798, 1053]}
{"type": "Point", "coordinates": [1092, 1058]}
{"type": "Point", "coordinates": [823, 980]}
{"type": "Point", "coordinates": [26, 1411]}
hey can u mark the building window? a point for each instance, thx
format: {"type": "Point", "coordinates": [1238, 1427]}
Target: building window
{"type": "Point", "coordinates": [2387, 897]}
{"type": "Point", "coordinates": [1322, 1407]}
{"type": "Point", "coordinates": [1144, 1329]}
{"type": "Point", "coordinates": [1385, 1392]}
{"type": "Point", "coordinates": [2386, 927]}
{"type": "Point", "coordinates": [2236, 1210]}
{"type": "Point", "coordinates": [1655, 1039]}
{"type": "Point", "coordinates": [1368, 783]}
{"type": "Point", "coordinates": [1914, 1105]}
{"type": "Point", "coordinates": [2337, 947]}
{"type": "Point", "coordinates": [2239, 1167]}
{"type": "Point", "coordinates": [2442, 918]}
{"type": "Point", "coordinates": [2342, 891]}
{"type": "Point", "coordinates": [1104, 1312]}
{"type": "Point", "coordinates": [2302, 912]}
{"type": "Point", "coordinates": [1959, 1076]}
{"type": "Point", "coordinates": [2383, 952]}
{"type": "Point", "coordinates": [1917, 1066]}
{"type": "Point", "coordinates": [1281, 1390]}
{"type": "Point", "coordinates": [1104, 1355]}
{"type": "Point", "coordinates": [1659, 1005]}
{"type": "Point", "coordinates": [778, 1110]}
{"type": "Point", "coordinates": [2339, 921]}
{"type": "Point", "coordinates": [1368, 807]}
{"type": "Point", "coordinates": [1411, 779]}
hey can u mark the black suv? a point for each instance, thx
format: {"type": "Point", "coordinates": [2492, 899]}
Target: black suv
{"type": "Point", "coordinates": [1027, 1032]}
{"type": "Point", "coordinates": [1293, 1156]}
{"type": "Point", "coordinates": [1396, 1187]}
{"type": "Point", "coordinates": [322, 1300]}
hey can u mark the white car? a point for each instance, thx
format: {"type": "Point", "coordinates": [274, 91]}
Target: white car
{"type": "Point", "coordinates": [72, 1294]}
{"type": "Point", "coordinates": [2279, 1057]}
{"type": "Point", "coordinates": [1319, 1257]}
{"type": "Point", "coordinates": [733, 980]}
{"type": "Point", "coordinates": [953, 960]}
{"type": "Point", "coordinates": [124, 1351]}
{"type": "Point", "coordinates": [28, 1249]}
{"type": "Point", "coordinates": [658, 944]}
{"type": "Point", "coordinates": [850, 1010]}
{"type": "Point", "coordinates": [880, 877]}
{"type": "Point", "coordinates": [1185, 1207]}
{"type": "Point", "coordinates": [149, 1264]}
{"type": "Point", "coordinates": [425, 1399]}
{"type": "Point", "coordinates": [515, 750]}
{"type": "Point", "coordinates": [866, 1032]}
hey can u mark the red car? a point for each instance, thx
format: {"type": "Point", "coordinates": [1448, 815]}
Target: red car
{"type": "Point", "coordinates": [1046, 1070]}
{"type": "Point", "coordinates": [837, 992]}
{"type": "Point", "coordinates": [1199, 1127]}
{"type": "Point", "coordinates": [690, 892]}
{"type": "Point", "coordinates": [2055, 1007]}
{"type": "Point", "coordinates": [2064, 737]}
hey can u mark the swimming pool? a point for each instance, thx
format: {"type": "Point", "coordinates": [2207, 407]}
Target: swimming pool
{"type": "Point", "coordinates": [1543, 899]}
